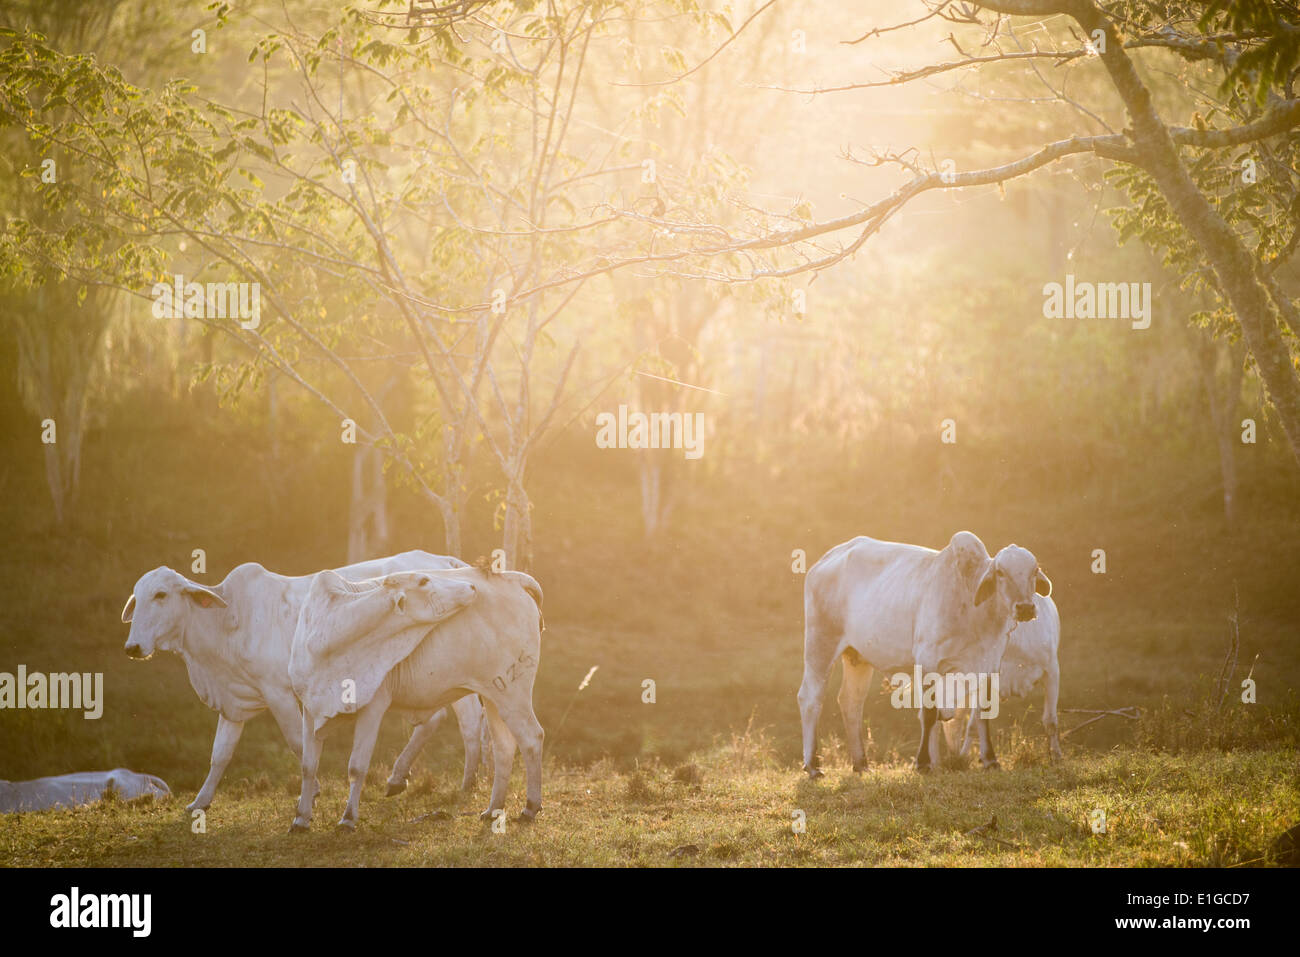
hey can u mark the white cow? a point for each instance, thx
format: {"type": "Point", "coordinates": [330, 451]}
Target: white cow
{"type": "Point", "coordinates": [83, 787]}
{"type": "Point", "coordinates": [1030, 659]}
{"type": "Point", "coordinates": [419, 641]}
{"type": "Point", "coordinates": [890, 606]}
{"type": "Point", "coordinates": [235, 639]}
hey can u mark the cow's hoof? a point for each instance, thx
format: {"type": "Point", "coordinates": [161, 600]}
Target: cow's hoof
{"type": "Point", "coordinates": [993, 766]}
{"type": "Point", "coordinates": [862, 765]}
{"type": "Point", "coordinates": [814, 773]}
{"type": "Point", "coordinates": [486, 816]}
{"type": "Point", "coordinates": [921, 768]}
{"type": "Point", "coordinates": [195, 806]}
{"type": "Point", "coordinates": [346, 825]}
{"type": "Point", "coordinates": [529, 814]}
{"type": "Point", "coordinates": [297, 828]}
{"type": "Point", "coordinates": [394, 787]}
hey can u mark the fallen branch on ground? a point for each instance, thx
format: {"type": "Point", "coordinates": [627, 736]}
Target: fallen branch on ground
{"type": "Point", "coordinates": [1132, 712]}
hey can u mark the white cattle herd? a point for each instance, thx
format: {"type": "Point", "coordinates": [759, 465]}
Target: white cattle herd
{"type": "Point", "coordinates": [237, 638]}
{"type": "Point", "coordinates": [418, 633]}
{"type": "Point", "coordinates": [894, 607]}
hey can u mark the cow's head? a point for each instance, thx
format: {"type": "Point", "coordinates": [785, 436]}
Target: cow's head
{"type": "Point", "coordinates": [427, 598]}
{"type": "Point", "coordinates": [1014, 577]}
{"type": "Point", "coordinates": [159, 609]}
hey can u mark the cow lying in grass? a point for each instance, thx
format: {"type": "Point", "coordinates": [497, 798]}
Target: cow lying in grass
{"type": "Point", "coordinates": [418, 641]}
{"type": "Point", "coordinates": [235, 639]}
{"type": "Point", "coordinates": [74, 790]}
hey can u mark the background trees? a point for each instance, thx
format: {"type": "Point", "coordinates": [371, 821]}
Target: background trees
{"type": "Point", "coordinates": [474, 225]}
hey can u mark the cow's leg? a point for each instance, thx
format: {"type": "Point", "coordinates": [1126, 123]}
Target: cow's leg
{"type": "Point", "coordinates": [987, 758]}
{"type": "Point", "coordinates": [288, 716]}
{"type": "Point", "coordinates": [966, 739]}
{"type": "Point", "coordinates": [818, 659]}
{"type": "Point", "coordinates": [484, 736]}
{"type": "Point", "coordinates": [928, 716]}
{"type": "Point", "coordinates": [312, 743]}
{"type": "Point", "coordinates": [528, 734]}
{"type": "Point", "coordinates": [364, 737]}
{"type": "Point", "coordinates": [223, 749]}
{"type": "Point", "coordinates": [419, 737]}
{"type": "Point", "coordinates": [1049, 712]}
{"type": "Point", "coordinates": [503, 758]}
{"type": "Point", "coordinates": [469, 718]}
{"type": "Point", "coordinates": [853, 696]}
{"type": "Point", "coordinates": [951, 736]}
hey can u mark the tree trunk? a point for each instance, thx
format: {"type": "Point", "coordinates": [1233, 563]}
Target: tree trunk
{"type": "Point", "coordinates": [451, 528]}
{"type": "Point", "coordinates": [58, 346]}
{"type": "Point", "coordinates": [1228, 257]}
{"type": "Point", "coordinates": [517, 539]}
{"type": "Point", "coordinates": [1222, 401]}
{"type": "Point", "coordinates": [368, 515]}
{"type": "Point", "coordinates": [651, 473]}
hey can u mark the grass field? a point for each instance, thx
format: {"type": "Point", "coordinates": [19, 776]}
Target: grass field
{"type": "Point", "coordinates": [735, 806]}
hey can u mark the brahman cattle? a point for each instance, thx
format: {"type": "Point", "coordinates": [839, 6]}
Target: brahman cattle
{"type": "Point", "coordinates": [82, 787]}
{"type": "Point", "coordinates": [892, 606]}
{"type": "Point", "coordinates": [235, 639]}
{"type": "Point", "coordinates": [1030, 658]}
{"type": "Point", "coordinates": [419, 641]}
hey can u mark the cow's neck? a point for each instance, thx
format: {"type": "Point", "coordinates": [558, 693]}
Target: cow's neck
{"type": "Point", "coordinates": [212, 668]}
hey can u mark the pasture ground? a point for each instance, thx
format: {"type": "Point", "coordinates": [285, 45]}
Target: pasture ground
{"type": "Point", "coordinates": [735, 809]}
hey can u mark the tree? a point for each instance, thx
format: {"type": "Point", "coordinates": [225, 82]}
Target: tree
{"type": "Point", "coordinates": [383, 213]}
{"type": "Point", "coordinates": [58, 328]}
{"type": "Point", "coordinates": [1188, 197]}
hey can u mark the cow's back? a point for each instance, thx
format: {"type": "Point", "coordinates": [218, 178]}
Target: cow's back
{"type": "Point", "coordinates": [495, 642]}
{"type": "Point", "coordinates": [264, 607]}
{"type": "Point", "coordinates": [410, 561]}
{"type": "Point", "coordinates": [864, 594]}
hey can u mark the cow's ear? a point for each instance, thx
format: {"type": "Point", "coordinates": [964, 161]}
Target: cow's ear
{"type": "Point", "coordinates": [203, 595]}
{"type": "Point", "coordinates": [984, 591]}
{"type": "Point", "coordinates": [1043, 584]}
{"type": "Point", "coordinates": [128, 610]}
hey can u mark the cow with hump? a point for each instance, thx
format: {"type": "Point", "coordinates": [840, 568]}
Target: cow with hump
{"type": "Point", "coordinates": [419, 641]}
{"type": "Point", "coordinates": [235, 639]}
{"type": "Point", "coordinates": [890, 606]}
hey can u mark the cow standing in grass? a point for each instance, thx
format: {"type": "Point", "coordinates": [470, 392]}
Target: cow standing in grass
{"type": "Point", "coordinates": [235, 639]}
{"type": "Point", "coordinates": [890, 606]}
{"type": "Point", "coordinates": [1030, 659]}
{"type": "Point", "coordinates": [419, 641]}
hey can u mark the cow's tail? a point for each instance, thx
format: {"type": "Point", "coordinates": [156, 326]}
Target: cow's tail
{"type": "Point", "coordinates": [529, 584]}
